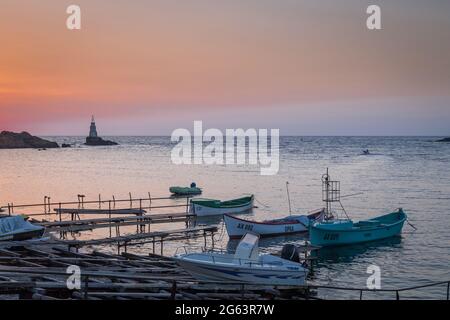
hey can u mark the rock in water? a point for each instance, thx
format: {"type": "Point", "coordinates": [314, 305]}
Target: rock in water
{"type": "Point", "coordinates": [97, 141]}
{"type": "Point", "coordinates": [13, 140]}
{"type": "Point", "coordinates": [444, 140]}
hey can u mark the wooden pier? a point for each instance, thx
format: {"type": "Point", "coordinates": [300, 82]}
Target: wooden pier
{"type": "Point", "coordinates": [141, 221]}
{"type": "Point", "coordinates": [31, 273]}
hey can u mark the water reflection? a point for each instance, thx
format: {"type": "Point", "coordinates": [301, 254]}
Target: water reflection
{"type": "Point", "coordinates": [346, 254]}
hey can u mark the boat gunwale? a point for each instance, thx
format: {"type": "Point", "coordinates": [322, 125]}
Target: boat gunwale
{"type": "Point", "coordinates": [367, 228]}
{"type": "Point", "coordinates": [262, 222]}
{"type": "Point", "coordinates": [220, 203]}
{"type": "Point", "coordinates": [249, 266]}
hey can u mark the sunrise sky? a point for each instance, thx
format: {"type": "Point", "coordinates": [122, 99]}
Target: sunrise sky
{"type": "Point", "coordinates": [148, 67]}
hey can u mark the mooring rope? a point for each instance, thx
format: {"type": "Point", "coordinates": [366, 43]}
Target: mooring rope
{"type": "Point", "coordinates": [407, 221]}
{"type": "Point", "coordinates": [265, 206]}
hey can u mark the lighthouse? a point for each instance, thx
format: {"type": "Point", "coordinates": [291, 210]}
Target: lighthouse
{"type": "Point", "coordinates": [93, 129]}
{"type": "Point", "coordinates": [94, 140]}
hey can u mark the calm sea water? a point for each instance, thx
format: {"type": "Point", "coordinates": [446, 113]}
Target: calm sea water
{"type": "Point", "coordinates": [408, 172]}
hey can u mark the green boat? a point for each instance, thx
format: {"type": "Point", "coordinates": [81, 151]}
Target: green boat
{"type": "Point", "coordinates": [185, 191]}
{"type": "Point", "coordinates": [213, 207]}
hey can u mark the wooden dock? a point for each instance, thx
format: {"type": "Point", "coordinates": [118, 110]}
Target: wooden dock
{"type": "Point", "coordinates": [30, 273]}
{"type": "Point", "coordinates": [149, 237]}
{"type": "Point", "coordinates": [115, 223]}
{"type": "Point", "coordinates": [124, 241]}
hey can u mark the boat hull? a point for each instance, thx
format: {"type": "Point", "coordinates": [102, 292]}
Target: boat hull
{"type": "Point", "coordinates": [233, 274]}
{"type": "Point", "coordinates": [322, 235]}
{"type": "Point", "coordinates": [25, 235]}
{"type": "Point", "coordinates": [236, 227]}
{"type": "Point", "coordinates": [205, 211]}
{"type": "Point", "coordinates": [185, 191]}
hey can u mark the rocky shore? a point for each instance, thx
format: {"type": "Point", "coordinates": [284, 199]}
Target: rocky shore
{"type": "Point", "coordinates": [444, 140]}
{"type": "Point", "coordinates": [13, 140]}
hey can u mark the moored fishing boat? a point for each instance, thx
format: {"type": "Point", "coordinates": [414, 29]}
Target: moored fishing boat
{"type": "Point", "coordinates": [246, 265]}
{"type": "Point", "coordinates": [237, 227]}
{"type": "Point", "coordinates": [17, 228]}
{"type": "Point", "coordinates": [335, 232]}
{"type": "Point", "coordinates": [212, 207]}
{"type": "Point", "coordinates": [345, 231]}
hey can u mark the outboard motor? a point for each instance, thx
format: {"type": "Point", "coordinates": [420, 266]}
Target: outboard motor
{"type": "Point", "coordinates": [289, 252]}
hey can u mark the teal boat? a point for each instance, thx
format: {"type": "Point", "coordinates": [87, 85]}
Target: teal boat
{"type": "Point", "coordinates": [185, 191]}
{"type": "Point", "coordinates": [347, 232]}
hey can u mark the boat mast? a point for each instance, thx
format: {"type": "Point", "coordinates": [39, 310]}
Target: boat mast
{"type": "Point", "coordinates": [289, 198]}
{"type": "Point", "coordinates": [325, 193]}
{"type": "Point", "coordinates": [331, 192]}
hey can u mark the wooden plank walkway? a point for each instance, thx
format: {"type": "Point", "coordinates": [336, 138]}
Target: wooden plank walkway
{"type": "Point", "coordinates": [115, 222]}
{"type": "Point", "coordinates": [149, 237]}
{"type": "Point", "coordinates": [28, 273]}
{"type": "Point", "coordinates": [144, 218]}
{"type": "Point", "coordinates": [125, 240]}
{"type": "Point", "coordinates": [99, 211]}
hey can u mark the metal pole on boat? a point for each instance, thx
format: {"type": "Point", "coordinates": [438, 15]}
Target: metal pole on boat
{"type": "Point", "coordinates": [289, 198]}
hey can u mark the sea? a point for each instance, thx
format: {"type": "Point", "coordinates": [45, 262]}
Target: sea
{"type": "Point", "coordinates": [412, 173]}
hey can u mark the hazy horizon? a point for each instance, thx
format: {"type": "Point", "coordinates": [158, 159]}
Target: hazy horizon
{"type": "Point", "coordinates": [149, 67]}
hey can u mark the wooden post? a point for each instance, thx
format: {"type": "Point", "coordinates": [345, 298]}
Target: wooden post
{"type": "Point", "coordinates": [114, 201]}
{"type": "Point", "coordinates": [99, 201]}
{"type": "Point", "coordinates": [153, 245]}
{"type": "Point", "coordinates": [360, 295]}
{"type": "Point", "coordinates": [109, 210]}
{"type": "Point", "coordinates": [142, 226]}
{"type": "Point", "coordinates": [60, 212]}
{"type": "Point", "coordinates": [131, 200]}
{"type": "Point", "coordinates": [204, 236]}
{"type": "Point", "coordinates": [173, 292]}
{"type": "Point", "coordinates": [86, 287]}
{"type": "Point", "coordinates": [397, 295]}
{"type": "Point", "coordinates": [150, 200]}
{"type": "Point", "coordinates": [448, 290]}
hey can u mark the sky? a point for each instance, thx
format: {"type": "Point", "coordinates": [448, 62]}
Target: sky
{"type": "Point", "coordinates": [148, 67]}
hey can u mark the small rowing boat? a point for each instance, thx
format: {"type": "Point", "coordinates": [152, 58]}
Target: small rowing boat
{"type": "Point", "coordinates": [346, 232]}
{"type": "Point", "coordinates": [246, 265]}
{"type": "Point", "coordinates": [237, 227]}
{"type": "Point", "coordinates": [213, 207]}
{"type": "Point", "coordinates": [186, 191]}
{"type": "Point", "coordinates": [17, 228]}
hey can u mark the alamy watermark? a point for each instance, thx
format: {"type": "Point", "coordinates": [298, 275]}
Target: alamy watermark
{"type": "Point", "coordinates": [73, 21]}
{"type": "Point", "coordinates": [374, 280]}
{"type": "Point", "coordinates": [73, 281]}
{"type": "Point", "coordinates": [236, 146]}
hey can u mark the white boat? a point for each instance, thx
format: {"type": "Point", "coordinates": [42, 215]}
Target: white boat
{"type": "Point", "coordinates": [17, 228]}
{"type": "Point", "coordinates": [237, 227]}
{"type": "Point", "coordinates": [246, 265]}
{"type": "Point", "coordinates": [212, 207]}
